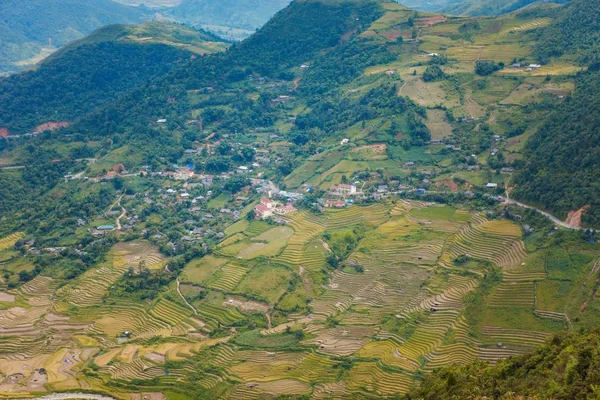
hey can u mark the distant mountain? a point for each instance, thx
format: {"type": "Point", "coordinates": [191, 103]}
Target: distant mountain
{"type": "Point", "coordinates": [29, 26]}
{"type": "Point", "coordinates": [473, 7]}
{"type": "Point", "coordinates": [491, 7]}
{"type": "Point", "coordinates": [227, 16]}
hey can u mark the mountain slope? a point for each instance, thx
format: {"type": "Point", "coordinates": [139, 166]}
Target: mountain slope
{"type": "Point", "coordinates": [89, 72]}
{"type": "Point", "coordinates": [474, 7]}
{"type": "Point", "coordinates": [27, 25]}
{"type": "Point", "coordinates": [490, 7]}
{"type": "Point", "coordinates": [295, 35]}
{"type": "Point", "coordinates": [562, 159]}
{"type": "Point", "coordinates": [565, 368]}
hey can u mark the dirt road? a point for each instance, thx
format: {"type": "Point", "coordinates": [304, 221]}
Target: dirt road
{"type": "Point", "coordinates": [550, 216]}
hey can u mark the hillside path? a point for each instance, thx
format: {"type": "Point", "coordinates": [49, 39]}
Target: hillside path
{"type": "Point", "coordinates": [183, 297]}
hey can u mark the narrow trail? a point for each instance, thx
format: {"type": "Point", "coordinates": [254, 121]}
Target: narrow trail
{"type": "Point", "coordinates": [402, 87]}
{"type": "Point", "coordinates": [123, 214]}
{"type": "Point", "coordinates": [269, 319]}
{"type": "Point", "coordinates": [557, 221]}
{"type": "Point", "coordinates": [183, 297]}
{"type": "Point", "coordinates": [14, 167]}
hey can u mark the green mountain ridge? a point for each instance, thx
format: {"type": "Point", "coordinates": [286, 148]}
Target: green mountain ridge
{"type": "Point", "coordinates": [119, 58]}
{"type": "Point", "coordinates": [28, 26]}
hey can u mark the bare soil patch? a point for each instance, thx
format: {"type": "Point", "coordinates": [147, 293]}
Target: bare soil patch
{"type": "Point", "coordinates": [449, 183]}
{"type": "Point", "coordinates": [51, 126]}
{"type": "Point", "coordinates": [6, 297]}
{"type": "Point", "coordinates": [246, 305]}
{"type": "Point", "coordinates": [574, 217]}
{"type": "Point", "coordinates": [159, 358]}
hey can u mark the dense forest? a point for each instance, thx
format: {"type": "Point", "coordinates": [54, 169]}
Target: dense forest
{"type": "Point", "coordinates": [560, 170]}
{"type": "Point", "coordinates": [576, 29]}
{"type": "Point", "coordinates": [69, 86]}
{"type": "Point", "coordinates": [568, 367]}
{"type": "Point", "coordinates": [26, 25]}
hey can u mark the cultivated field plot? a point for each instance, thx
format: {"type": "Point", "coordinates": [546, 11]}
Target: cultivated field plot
{"type": "Point", "coordinates": [401, 304]}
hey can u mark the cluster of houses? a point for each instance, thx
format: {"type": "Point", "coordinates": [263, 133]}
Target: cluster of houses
{"type": "Point", "coordinates": [268, 208]}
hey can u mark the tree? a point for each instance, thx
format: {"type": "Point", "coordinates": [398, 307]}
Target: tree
{"type": "Point", "coordinates": [487, 67]}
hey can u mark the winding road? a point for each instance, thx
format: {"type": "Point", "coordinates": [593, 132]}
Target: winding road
{"type": "Point", "coordinates": [557, 221]}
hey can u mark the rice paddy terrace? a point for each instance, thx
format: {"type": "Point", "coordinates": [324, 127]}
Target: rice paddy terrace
{"type": "Point", "coordinates": [436, 286]}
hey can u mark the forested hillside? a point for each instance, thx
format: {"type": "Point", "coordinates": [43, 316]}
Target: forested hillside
{"type": "Point", "coordinates": [568, 367]}
{"type": "Point", "coordinates": [309, 26]}
{"type": "Point", "coordinates": [562, 159]}
{"type": "Point", "coordinates": [28, 25]}
{"type": "Point", "coordinates": [80, 77]}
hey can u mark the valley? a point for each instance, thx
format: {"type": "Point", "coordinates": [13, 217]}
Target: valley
{"type": "Point", "coordinates": [317, 212]}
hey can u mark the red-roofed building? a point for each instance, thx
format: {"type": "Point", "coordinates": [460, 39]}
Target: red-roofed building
{"type": "Point", "coordinates": [268, 203]}
{"type": "Point", "coordinates": [263, 211]}
{"type": "Point", "coordinates": [335, 203]}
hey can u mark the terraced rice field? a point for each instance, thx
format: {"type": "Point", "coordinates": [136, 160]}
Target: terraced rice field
{"type": "Point", "coordinates": [398, 305]}
{"type": "Point", "coordinates": [496, 241]}
{"type": "Point", "coordinates": [227, 278]}
{"type": "Point", "coordinates": [9, 241]}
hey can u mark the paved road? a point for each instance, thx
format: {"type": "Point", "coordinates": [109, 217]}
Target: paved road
{"type": "Point", "coordinates": [550, 216]}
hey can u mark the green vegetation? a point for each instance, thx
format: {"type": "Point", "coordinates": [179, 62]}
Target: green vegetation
{"type": "Point", "coordinates": [564, 368]}
{"type": "Point", "coordinates": [559, 170]}
{"type": "Point", "coordinates": [26, 26]}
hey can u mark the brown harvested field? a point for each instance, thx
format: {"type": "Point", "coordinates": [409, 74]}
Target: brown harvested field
{"type": "Point", "coordinates": [6, 297]}
{"type": "Point", "coordinates": [159, 358]}
{"type": "Point", "coordinates": [147, 396]}
{"type": "Point", "coordinates": [438, 124]}
{"type": "Point", "coordinates": [375, 148]}
{"type": "Point", "coordinates": [393, 35]}
{"type": "Point", "coordinates": [429, 21]}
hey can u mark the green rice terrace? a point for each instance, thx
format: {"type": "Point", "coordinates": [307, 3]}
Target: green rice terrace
{"type": "Point", "coordinates": [423, 286]}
